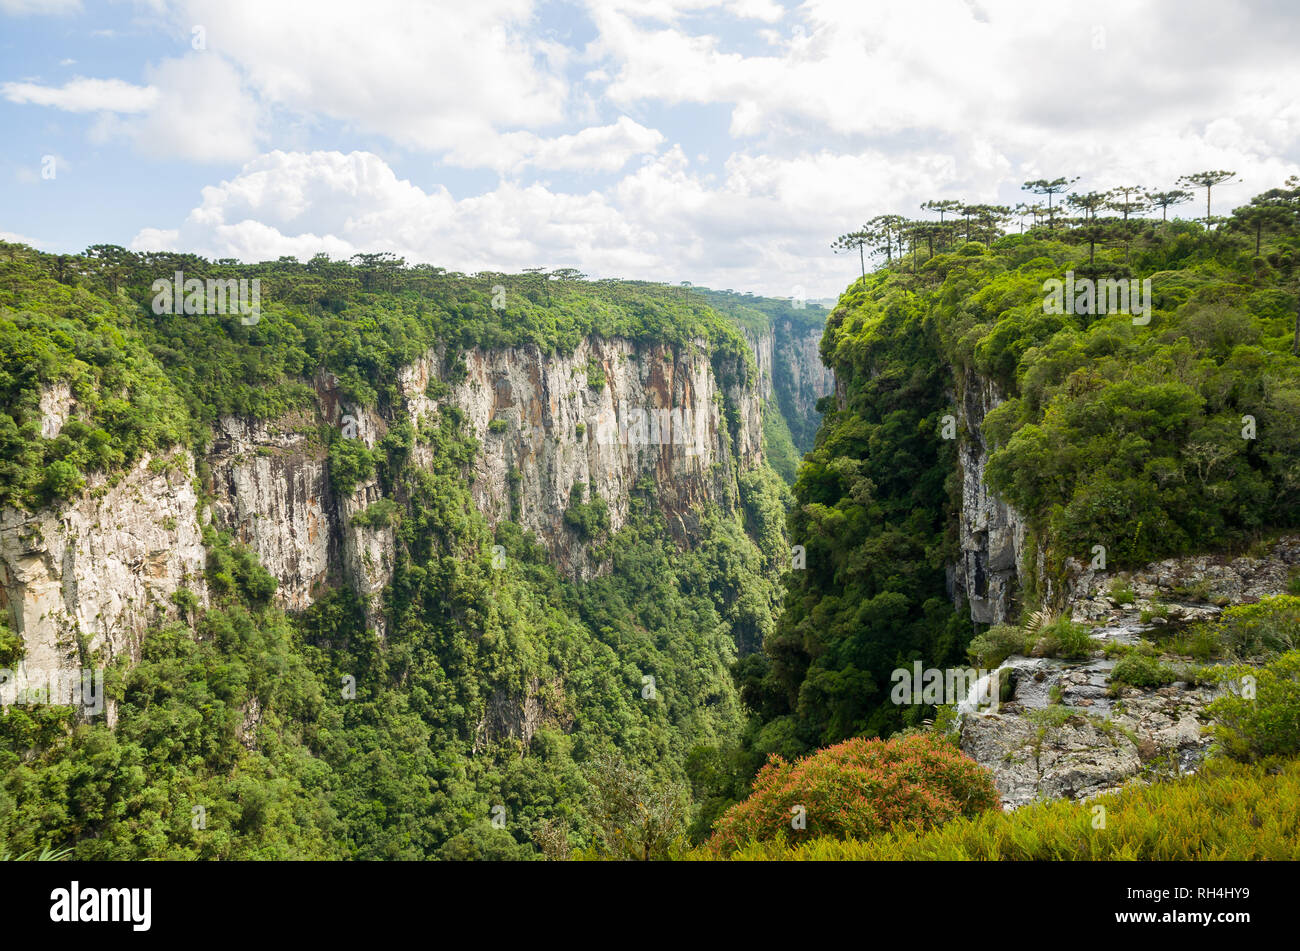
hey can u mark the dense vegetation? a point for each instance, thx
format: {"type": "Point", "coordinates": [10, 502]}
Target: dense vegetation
{"type": "Point", "coordinates": [244, 732]}
{"type": "Point", "coordinates": [795, 317]}
{"type": "Point", "coordinates": [143, 380]}
{"type": "Point", "coordinates": [1227, 812]}
{"type": "Point", "coordinates": [856, 788]}
{"type": "Point", "coordinates": [658, 690]}
{"type": "Point", "coordinates": [1152, 439]}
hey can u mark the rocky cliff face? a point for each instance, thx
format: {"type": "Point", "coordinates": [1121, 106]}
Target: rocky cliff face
{"type": "Point", "coordinates": [84, 582]}
{"type": "Point", "coordinates": [791, 372]}
{"type": "Point", "coordinates": [991, 534]}
{"type": "Point", "coordinates": [607, 416]}
{"type": "Point", "coordinates": [269, 485]}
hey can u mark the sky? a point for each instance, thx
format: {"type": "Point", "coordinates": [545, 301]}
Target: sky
{"type": "Point", "coordinates": [722, 143]}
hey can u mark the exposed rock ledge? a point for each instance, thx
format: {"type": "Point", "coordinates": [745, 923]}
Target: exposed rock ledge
{"type": "Point", "coordinates": [1096, 742]}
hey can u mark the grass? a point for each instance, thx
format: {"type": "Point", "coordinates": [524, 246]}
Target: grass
{"type": "Point", "coordinates": [46, 854]}
{"type": "Point", "coordinates": [1228, 812]}
{"type": "Point", "coordinates": [1040, 635]}
{"type": "Point", "coordinates": [1157, 610]}
{"type": "Point", "coordinates": [1122, 592]}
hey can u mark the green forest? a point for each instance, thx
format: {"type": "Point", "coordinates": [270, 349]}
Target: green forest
{"type": "Point", "coordinates": [1165, 438]}
{"type": "Point", "coordinates": [686, 695]}
{"type": "Point", "coordinates": [393, 769]}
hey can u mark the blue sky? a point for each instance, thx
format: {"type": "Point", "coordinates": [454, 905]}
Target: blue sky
{"type": "Point", "coordinates": [722, 143]}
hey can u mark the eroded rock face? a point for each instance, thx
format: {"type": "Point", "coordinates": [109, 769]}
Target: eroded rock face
{"type": "Point", "coordinates": [270, 486]}
{"type": "Point", "coordinates": [544, 426]}
{"type": "Point", "coordinates": [1191, 587]}
{"type": "Point", "coordinates": [1088, 753]}
{"type": "Point", "coordinates": [1062, 733]}
{"type": "Point", "coordinates": [800, 379]}
{"type": "Point", "coordinates": [83, 583]}
{"type": "Point", "coordinates": [991, 533]}
{"type": "Point", "coordinates": [56, 408]}
{"type": "Point", "coordinates": [791, 372]}
{"type": "Point", "coordinates": [86, 580]}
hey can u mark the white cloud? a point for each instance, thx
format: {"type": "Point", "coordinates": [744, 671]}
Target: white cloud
{"type": "Point", "coordinates": [831, 112]}
{"type": "Point", "coordinates": [13, 238]}
{"type": "Point", "coordinates": [84, 95]}
{"type": "Point", "coordinates": [594, 149]}
{"type": "Point", "coordinates": [765, 226]}
{"type": "Point", "coordinates": [202, 112]}
{"type": "Point", "coordinates": [1117, 91]}
{"type": "Point", "coordinates": [432, 76]}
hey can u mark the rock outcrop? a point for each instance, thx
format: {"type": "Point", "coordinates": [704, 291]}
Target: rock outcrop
{"type": "Point", "coordinates": [83, 583]}
{"type": "Point", "coordinates": [607, 416]}
{"type": "Point", "coordinates": [269, 485]}
{"type": "Point", "coordinates": [1062, 732]}
{"type": "Point", "coordinates": [991, 534]}
{"type": "Point", "coordinates": [791, 372]}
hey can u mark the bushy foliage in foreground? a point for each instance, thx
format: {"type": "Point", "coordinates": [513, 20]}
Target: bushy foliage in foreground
{"type": "Point", "coordinates": [1227, 812]}
{"type": "Point", "coordinates": [1259, 717]}
{"type": "Point", "coordinates": [857, 788]}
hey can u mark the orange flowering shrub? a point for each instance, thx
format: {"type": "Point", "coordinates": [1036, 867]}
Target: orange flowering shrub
{"type": "Point", "coordinates": [857, 788]}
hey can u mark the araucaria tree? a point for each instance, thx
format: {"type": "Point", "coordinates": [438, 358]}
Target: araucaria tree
{"type": "Point", "coordinates": [1043, 186]}
{"type": "Point", "coordinates": [854, 240]}
{"type": "Point", "coordinates": [1165, 200]}
{"type": "Point", "coordinates": [1206, 180]}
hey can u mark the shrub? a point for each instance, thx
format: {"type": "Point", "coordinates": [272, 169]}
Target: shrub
{"type": "Point", "coordinates": [1158, 609]}
{"type": "Point", "coordinates": [350, 462]}
{"type": "Point", "coordinates": [1139, 670]}
{"type": "Point", "coordinates": [1202, 642]}
{"type": "Point", "coordinates": [995, 645]}
{"type": "Point", "coordinates": [1064, 638]}
{"type": "Point", "coordinates": [1268, 724]}
{"type": "Point", "coordinates": [589, 519]}
{"type": "Point", "coordinates": [633, 815]}
{"type": "Point", "coordinates": [1198, 590]}
{"type": "Point", "coordinates": [61, 480]}
{"type": "Point", "coordinates": [498, 426]}
{"type": "Point", "coordinates": [1122, 592]}
{"type": "Point", "coordinates": [378, 514]}
{"type": "Point", "coordinates": [11, 644]}
{"type": "Point", "coordinates": [857, 788]}
{"type": "Point", "coordinates": [1227, 811]}
{"type": "Point", "coordinates": [1270, 627]}
{"type": "Point", "coordinates": [484, 843]}
{"type": "Point", "coordinates": [186, 600]}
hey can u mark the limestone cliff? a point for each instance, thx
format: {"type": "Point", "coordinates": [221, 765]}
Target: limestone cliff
{"type": "Point", "coordinates": [83, 582]}
{"type": "Point", "coordinates": [792, 374]}
{"type": "Point", "coordinates": [991, 534]}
